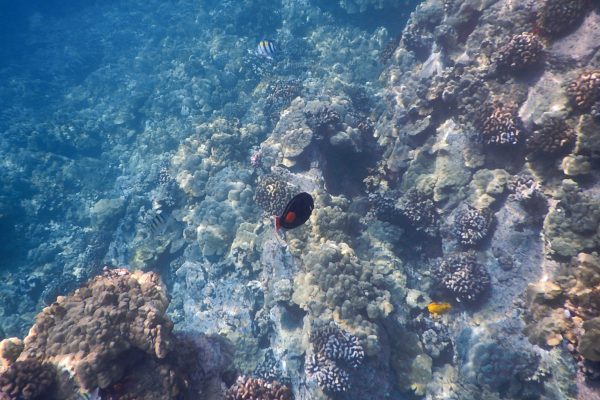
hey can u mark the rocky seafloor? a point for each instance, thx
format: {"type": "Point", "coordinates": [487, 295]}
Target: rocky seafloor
{"type": "Point", "coordinates": [452, 154]}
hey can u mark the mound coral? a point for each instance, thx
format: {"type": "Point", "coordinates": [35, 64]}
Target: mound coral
{"type": "Point", "coordinates": [272, 194]}
{"type": "Point", "coordinates": [91, 329]}
{"type": "Point", "coordinates": [500, 126]}
{"type": "Point", "coordinates": [584, 91]}
{"type": "Point", "coordinates": [521, 52]}
{"type": "Point", "coordinates": [551, 138]}
{"type": "Point", "coordinates": [472, 225]}
{"type": "Point", "coordinates": [248, 388]}
{"type": "Point", "coordinates": [556, 17]}
{"type": "Point", "coordinates": [571, 225]}
{"type": "Point", "coordinates": [334, 351]}
{"type": "Point", "coordinates": [26, 380]}
{"type": "Point", "coordinates": [463, 277]}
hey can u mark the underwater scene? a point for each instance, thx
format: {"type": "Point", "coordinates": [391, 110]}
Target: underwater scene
{"type": "Point", "coordinates": [300, 199]}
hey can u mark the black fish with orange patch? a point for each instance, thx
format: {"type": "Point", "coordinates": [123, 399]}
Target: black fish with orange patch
{"type": "Point", "coordinates": [296, 212]}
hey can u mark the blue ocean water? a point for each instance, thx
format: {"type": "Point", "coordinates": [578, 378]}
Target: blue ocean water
{"type": "Point", "coordinates": [64, 65]}
{"type": "Point", "coordinates": [160, 136]}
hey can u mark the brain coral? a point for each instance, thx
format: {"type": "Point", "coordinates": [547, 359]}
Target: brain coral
{"type": "Point", "coordinates": [556, 17]}
{"type": "Point", "coordinates": [461, 275]}
{"type": "Point", "coordinates": [25, 380]}
{"type": "Point", "coordinates": [521, 52]}
{"type": "Point", "coordinates": [91, 330]}
{"type": "Point", "coordinates": [247, 388]}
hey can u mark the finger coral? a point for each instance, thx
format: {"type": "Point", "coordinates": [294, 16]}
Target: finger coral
{"type": "Point", "coordinates": [248, 388]}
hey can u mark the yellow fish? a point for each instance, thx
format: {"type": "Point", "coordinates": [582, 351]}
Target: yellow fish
{"type": "Point", "coordinates": [437, 309]}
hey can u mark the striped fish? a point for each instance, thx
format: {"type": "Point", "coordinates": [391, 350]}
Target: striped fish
{"type": "Point", "coordinates": [266, 48]}
{"type": "Point", "coordinates": [158, 222]}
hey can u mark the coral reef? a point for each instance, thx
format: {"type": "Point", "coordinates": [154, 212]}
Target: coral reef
{"type": "Point", "coordinates": [463, 277]}
{"type": "Point", "coordinates": [420, 211]}
{"type": "Point", "coordinates": [272, 194]}
{"type": "Point", "coordinates": [122, 309]}
{"type": "Point", "coordinates": [571, 225]}
{"type": "Point", "coordinates": [471, 225]}
{"type": "Point", "coordinates": [552, 138]}
{"type": "Point", "coordinates": [248, 388]}
{"type": "Point", "coordinates": [337, 345]}
{"type": "Point", "coordinates": [584, 91]}
{"type": "Point", "coordinates": [501, 126]}
{"type": "Point", "coordinates": [556, 17]}
{"type": "Point", "coordinates": [521, 53]}
{"type": "Point", "coordinates": [26, 380]}
{"type": "Point", "coordinates": [334, 350]}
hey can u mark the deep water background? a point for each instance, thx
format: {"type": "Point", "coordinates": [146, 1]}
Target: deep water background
{"type": "Point", "coordinates": [82, 93]}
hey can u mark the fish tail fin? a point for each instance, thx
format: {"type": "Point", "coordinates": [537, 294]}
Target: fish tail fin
{"type": "Point", "coordinates": [277, 223]}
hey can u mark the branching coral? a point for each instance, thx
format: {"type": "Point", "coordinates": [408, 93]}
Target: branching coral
{"type": "Point", "coordinates": [551, 138]}
{"type": "Point", "coordinates": [472, 225]}
{"type": "Point", "coordinates": [26, 380]}
{"type": "Point", "coordinates": [556, 17]}
{"type": "Point", "coordinates": [337, 345]}
{"type": "Point", "coordinates": [334, 351]}
{"type": "Point", "coordinates": [248, 388]}
{"type": "Point", "coordinates": [584, 91]}
{"type": "Point", "coordinates": [463, 277]}
{"type": "Point", "coordinates": [521, 52]}
{"type": "Point", "coordinates": [91, 329]}
{"type": "Point", "coordinates": [501, 126]}
{"type": "Point", "coordinates": [420, 211]}
{"type": "Point", "coordinates": [328, 375]}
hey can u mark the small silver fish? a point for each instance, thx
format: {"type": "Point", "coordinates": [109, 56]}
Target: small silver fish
{"type": "Point", "coordinates": [158, 222]}
{"type": "Point", "coordinates": [266, 48]}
